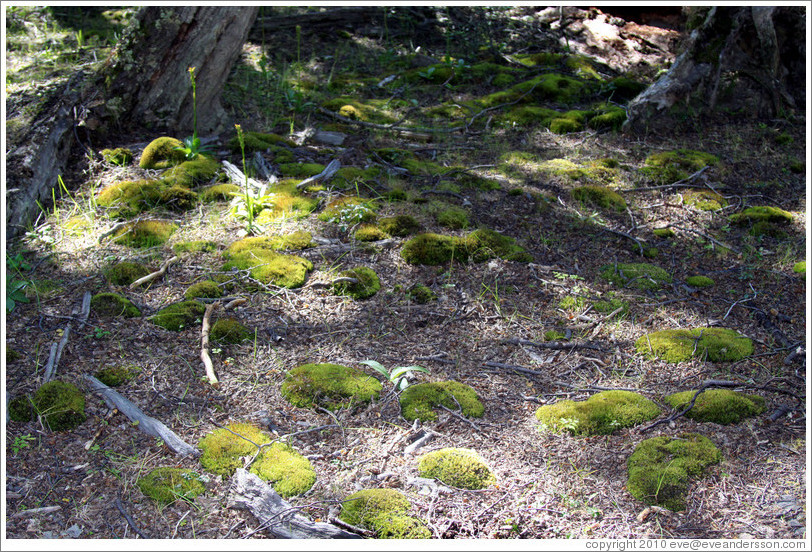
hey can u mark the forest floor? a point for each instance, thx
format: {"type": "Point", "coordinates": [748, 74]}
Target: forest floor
{"type": "Point", "coordinates": [549, 485]}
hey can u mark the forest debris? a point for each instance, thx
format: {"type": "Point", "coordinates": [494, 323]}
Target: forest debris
{"type": "Point", "coordinates": [145, 423]}
{"type": "Point", "coordinates": [128, 518]}
{"type": "Point", "coordinates": [157, 274]}
{"type": "Point", "coordinates": [278, 517]}
{"type": "Point", "coordinates": [238, 177]}
{"type": "Point", "coordinates": [36, 511]}
{"type": "Point", "coordinates": [328, 172]}
{"type": "Point", "coordinates": [204, 348]}
{"type": "Point", "coordinates": [55, 355]}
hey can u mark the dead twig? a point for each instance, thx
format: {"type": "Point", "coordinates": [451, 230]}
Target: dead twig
{"type": "Point", "coordinates": [157, 274]}
{"type": "Point", "coordinates": [204, 347]}
{"type": "Point", "coordinates": [56, 354]}
{"type": "Point", "coordinates": [129, 519]}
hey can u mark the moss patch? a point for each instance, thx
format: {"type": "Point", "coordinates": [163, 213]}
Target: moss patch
{"type": "Point", "coordinates": [368, 283]}
{"type": "Point", "coordinates": [670, 166]}
{"type": "Point", "coordinates": [713, 344]}
{"type": "Point", "coordinates": [637, 275]}
{"type": "Point", "coordinates": [348, 211]}
{"type": "Point", "coordinates": [300, 170]}
{"type": "Point", "coordinates": [206, 288]}
{"type": "Point", "coordinates": [178, 316]}
{"type": "Point", "coordinates": [289, 472]}
{"type": "Point", "coordinates": [284, 200]}
{"type": "Point", "coordinates": [229, 330]}
{"type": "Point", "coordinates": [125, 273]}
{"type": "Point", "coordinates": [720, 406]}
{"type": "Point", "coordinates": [418, 401]}
{"type": "Point", "coordinates": [421, 294]}
{"type": "Point", "coordinates": [704, 200]}
{"type": "Point", "coordinates": [162, 153]}
{"type": "Point", "coordinates": [761, 213]}
{"type": "Point", "coordinates": [113, 304]}
{"type": "Point", "coordinates": [258, 141]}
{"type": "Point", "coordinates": [458, 467]}
{"type": "Point", "coordinates": [290, 242]}
{"type": "Point", "coordinates": [113, 376]}
{"type": "Point", "coordinates": [601, 414]}
{"type": "Point", "coordinates": [385, 512]}
{"type": "Point", "coordinates": [370, 233]}
{"type": "Point", "coordinates": [479, 246]}
{"type": "Point", "coordinates": [699, 281]}
{"type": "Point", "coordinates": [117, 156]}
{"type": "Point", "coordinates": [660, 468]}
{"type": "Point", "coordinates": [218, 192]}
{"type": "Point", "coordinates": [399, 225]}
{"type": "Point", "coordinates": [130, 197]}
{"type": "Point", "coordinates": [454, 218]}
{"type": "Point", "coordinates": [600, 196]}
{"type": "Point", "coordinates": [194, 172]}
{"type": "Point", "coordinates": [663, 232]}
{"type": "Point", "coordinates": [145, 233]}
{"type": "Point", "coordinates": [20, 409]}
{"type": "Point", "coordinates": [166, 485]}
{"type": "Point", "coordinates": [60, 405]}
{"type": "Point", "coordinates": [329, 385]}
{"type": "Point", "coordinates": [270, 267]}
{"type": "Point", "coordinates": [799, 267]}
{"type": "Point", "coordinates": [196, 246]}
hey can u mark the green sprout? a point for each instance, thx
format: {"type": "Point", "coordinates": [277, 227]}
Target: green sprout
{"type": "Point", "coordinates": [398, 374]}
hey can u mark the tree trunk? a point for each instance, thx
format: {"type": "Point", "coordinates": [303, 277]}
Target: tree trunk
{"type": "Point", "coordinates": [745, 60]}
{"type": "Point", "coordinates": [149, 76]}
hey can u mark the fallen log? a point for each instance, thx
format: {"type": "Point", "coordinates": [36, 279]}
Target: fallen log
{"type": "Point", "coordinates": [147, 424]}
{"type": "Point", "coordinates": [278, 517]}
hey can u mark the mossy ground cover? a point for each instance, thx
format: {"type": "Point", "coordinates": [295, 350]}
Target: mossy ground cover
{"type": "Point", "coordinates": [458, 467]}
{"type": "Point", "coordinates": [636, 275]}
{"type": "Point", "coordinates": [478, 246]}
{"type": "Point", "coordinates": [384, 511]}
{"type": "Point", "coordinates": [720, 406]}
{"type": "Point", "coordinates": [421, 401]}
{"type": "Point", "coordinates": [332, 386]}
{"type": "Point", "coordinates": [601, 414]}
{"type": "Point", "coordinates": [166, 485]}
{"type": "Point", "coordinates": [366, 283]}
{"type": "Point", "coordinates": [713, 344]}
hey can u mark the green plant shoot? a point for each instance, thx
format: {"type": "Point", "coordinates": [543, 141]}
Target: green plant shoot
{"type": "Point", "coordinates": [398, 375]}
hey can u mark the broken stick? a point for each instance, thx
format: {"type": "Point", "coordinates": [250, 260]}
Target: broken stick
{"type": "Point", "coordinates": [157, 274]}
{"type": "Point", "coordinates": [204, 348]}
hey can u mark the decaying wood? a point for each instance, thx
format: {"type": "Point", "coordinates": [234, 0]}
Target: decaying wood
{"type": "Point", "coordinates": [328, 173]}
{"type": "Point", "coordinates": [55, 355]}
{"type": "Point", "coordinates": [204, 348]}
{"type": "Point", "coordinates": [36, 511]}
{"type": "Point", "coordinates": [157, 274]}
{"type": "Point", "coordinates": [236, 176]}
{"type": "Point", "coordinates": [128, 518]}
{"type": "Point", "coordinates": [147, 424]}
{"type": "Point", "coordinates": [278, 517]}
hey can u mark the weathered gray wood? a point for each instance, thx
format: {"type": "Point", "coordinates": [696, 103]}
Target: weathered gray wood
{"type": "Point", "coordinates": [147, 424]}
{"type": "Point", "coordinates": [278, 517]}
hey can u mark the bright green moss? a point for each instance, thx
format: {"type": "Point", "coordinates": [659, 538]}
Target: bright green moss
{"type": "Point", "coordinates": [370, 233]}
{"type": "Point", "coordinates": [421, 294]}
{"type": "Point", "coordinates": [418, 401]}
{"type": "Point", "coordinates": [118, 156]}
{"type": "Point", "coordinates": [564, 125]}
{"type": "Point", "coordinates": [453, 217]}
{"type": "Point", "coordinates": [571, 303]}
{"type": "Point", "coordinates": [289, 242]}
{"type": "Point", "coordinates": [720, 406]}
{"type": "Point", "coordinates": [197, 171]}
{"type": "Point", "coordinates": [670, 166]}
{"type": "Point", "coordinates": [329, 385]}
{"type": "Point", "coordinates": [699, 281]}
{"type": "Point", "coordinates": [348, 211]}
{"type": "Point", "coordinates": [196, 246]}
{"type": "Point", "coordinates": [661, 467]}
{"type": "Point", "coordinates": [799, 267]}
{"type": "Point", "coordinates": [479, 246]}
{"type": "Point", "coordinates": [125, 273]}
{"type": "Point", "coordinates": [600, 196]}
{"type": "Point", "coordinates": [166, 485]}
{"type": "Point", "coordinates": [663, 232]}
{"type": "Point", "coordinates": [761, 213]}
{"type": "Point", "coordinates": [206, 288]}
{"type": "Point", "coordinates": [223, 450]}
{"type": "Point", "coordinates": [484, 244]}
{"type": "Point", "coordinates": [553, 335]}
{"type": "Point", "coordinates": [113, 304]}
{"type": "Point", "coordinates": [178, 316]}
{"type": "Point", "coordinates": [113, 376]}
{"type": "Point", "coordinates": [704, 200]}
{"type": "Point", "coordinates": [284, 200]}
{"type": "Point", "coordinates": [601, 414]}
{"type": "Point", "coordinates": [60, 405]}
{"type": "Point", "coordinates": [368, 283]}
{"type": "Point", "coordinates": [383, 511]}
{"type": "Point", "coordinates": [611, 304]}
{"type": "Point", "coordinates": [345, 177]}
{"type": "Point", "coordinates": [219, 192]}
{"type": "Point", "coordinates": [161, 153]}
{"type": "Point", "coordinates": [608, 117]}
{"type": "Point", "coordinates": [128, 198]}
{"type": "Point", "coordinates": [713, 344]}
{"type": "Point", "coordinates": [637, 275]}
{"type": "Point", "coordinates": [300, 170]}
{"type": "Point", "coordinates": [269, 267]}
{"type": "Point", "coordinates": [458, 467]}
{"type": "Point", "coordinates": [229, 330]}
{"type": "Point", "coordinates": [145, 233]}
{"type": "Point", "coordinates": [563, 168]}
{"type": "Point", "coordinates": [258, 141]}
{"type": "Point", "coordinates": [370, 110]}
{"type": "Point", "coordinates": [526, 116]}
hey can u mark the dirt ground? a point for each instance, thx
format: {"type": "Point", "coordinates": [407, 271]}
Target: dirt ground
{"type": "Point", "coordinates": [549, 485]}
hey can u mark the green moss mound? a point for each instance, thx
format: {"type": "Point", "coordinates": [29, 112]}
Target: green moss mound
{"type": "Point", "coordinates": [670, 166]}
{"type": "Point", "coordinates": [270, 267]}
{"type": "Point", "coordinates": [601, 414]}
{"type": "Point", "coordinates": [383, 511]}
{"type": "Point", "coordinates": [117, 156]}
{"type": "Point", "coordinates": [113, 304]}
{"type": "Point", "coordinates": [162, 153]}
{"type": "Point", "coordinates": [348, 211]}
{"type": "Point", "coordinates": [699, 281]}
{"type": "Point", "coordinates": [367, 285]}
{"type": "Point", "coordinates": [563, 125]}
{"type": "Point", "coordinates": [458, 467]}
{"type": "Point", "coordinates": [799, 267]}
{"type": "Point", "coordinates": [761, 213]}
{"type": "Point", "coordinates": [454, 218]}
{"type": "Point", "coordinates": [286, 201]}
{"type": "Point", "coordinates": [300, 170]}
{"type": "Point", "coordinates": [637, 275]}
{"type": "Point", "coordinates": [608, 117]}
{"type": "Point", "coordinates": [125, 273]}
{"type": "Point", "coordinates": [295, 241]}
{"type": "Point", "coordinates": [704, 200]}
{"type": "Point", "coordinates": [484, 244]}
{"type": "Point", "coordinates": [192, 173]}
{"type": "Point", "coordinates": [370, 233]}
{"type": "Point", "coordinates": [195, 246]}
{"type": "Point", "coordinates": [600, 196]}
{"type": "Point", "coordinates": [166, 485]}
{"type": "Point", "coordinates": [399, 225]}
{"type": "Point", "coordinates": [418, 401]}
{"type": "Point", "coordinates": [178, 316]}
{"type": "Point", "coordinates": [258, 141]}
{"type": "Point", "coordinates": [145, 233]}
{"type": "Point", "coordinates": [218, 192]}
{"type": "Point", "coordinates": [223, 450]}
{"type": "Point", "coordinates": [421, 294]}
{"type": "Point", "coordinates": [20, 409]}
{"type": "Point", "coordinates": [433, 249]}
{"type": "Point", "coordinates": [329, 385]}
{"type": "Point", "coordinates": [660, 468]}
{"type": "Point", "coordinates": [113, 376]}
{"type": "Point", "coordinates": [206, 288]}
{"type": "Point", "coordinates": [130, 197]}
{"type": "Point", "coordinates": [60, 405]}
{"type": "Point", "coordinates": [229, 330]}
{"type": "Point", "coordinates": [720, 406]}
{"type": "Point", "coordinates": [663, 232]}
{"type": "Point", "coordinates": [713, 344]}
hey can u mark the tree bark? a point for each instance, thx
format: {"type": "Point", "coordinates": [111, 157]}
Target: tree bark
{"type": "Point", "coordinates": [148, 73]}
{"type": "Point", "coordinates": [744, 60]}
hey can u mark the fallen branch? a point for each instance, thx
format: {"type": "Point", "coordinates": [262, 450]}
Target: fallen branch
{"type": "Point", "coordinates": [278, 517]}
{"type": "Point", "coordinates": [328, 172]}
{"type": "Point", "coordinates": [204, 348]}
{"type": "Point", "coordinates": [689, 182]}
{"type": "Point", "coordinates": [707, 237]}
{"type": "Point", "coordinates": [157, 274]}
{"type": "Point", "coordinates": [147, 424]}
{"type": "Point", "coordinates": [129, 519]}
{"type": "Point", "coordinates": [236, 176]}
{"type": "Point", "coordinates": [56, 354]}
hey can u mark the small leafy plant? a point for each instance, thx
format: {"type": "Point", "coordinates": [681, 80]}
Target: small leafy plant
{"type": "Point", "coordinates": [246, 205]}
{"type": "Point", "coordinates": [398, 375]}
{"type": "Point", "coordinates": [15, 283]}
{"type": "Point", "coordinates": [192, 146]}
{"type": "Point", "coordinates": [21, 442]}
